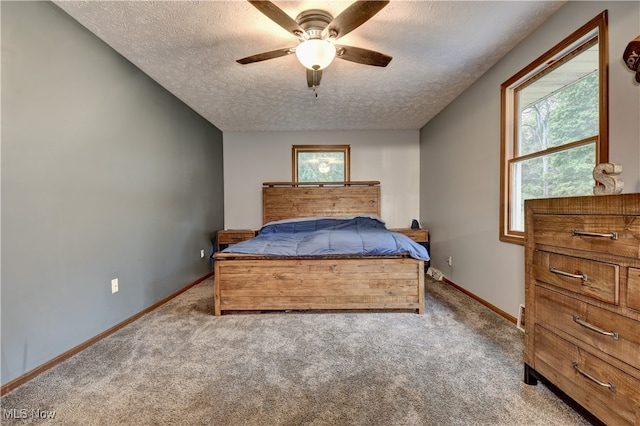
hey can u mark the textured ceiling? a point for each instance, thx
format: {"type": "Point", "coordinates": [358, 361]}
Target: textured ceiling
{"type": "Point", "coordinates": [439, 48]}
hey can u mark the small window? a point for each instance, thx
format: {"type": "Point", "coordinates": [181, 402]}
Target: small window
{"type": "Point", "coordinates": [554, 127]}
{"type": "Point", "coordinates": [320, 163]}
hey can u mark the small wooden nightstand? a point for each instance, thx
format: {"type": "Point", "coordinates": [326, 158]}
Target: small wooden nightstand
{"type": "Point", "coordinates": [226, 237]}
{"type": "Point", "coordinates": [420, 236]}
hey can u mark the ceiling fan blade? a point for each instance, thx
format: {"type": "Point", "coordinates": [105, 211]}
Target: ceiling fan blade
{"type": "Point", "coordinates": [313, 77]}
{"type": "Point", "coordinates": [352, 17]}
{"type": "Point", "coordinates": [266, 55]}
{"type": "Point", "coordinates": [362, 56]}
{"type": "Point", "coordinates": [278, 16]}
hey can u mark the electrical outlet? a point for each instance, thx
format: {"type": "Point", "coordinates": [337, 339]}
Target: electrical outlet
{"type": "Point", "coordinates": [450, 261]}
{"type": "Point", "coordinates": [201, 254]}
{"type": "Point", "coordinates": [114, 285]}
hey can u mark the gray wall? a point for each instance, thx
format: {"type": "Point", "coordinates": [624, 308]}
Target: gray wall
{"type": "Point", "coordinates": [104, 175]}
{"type": "Point", "coordinates": [460, 157]}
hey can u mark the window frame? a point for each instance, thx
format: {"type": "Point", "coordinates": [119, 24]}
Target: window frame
{"type": "Point", "coordinates": [296, 150]}
{"type": "Point", "coordinates": [553, 58]}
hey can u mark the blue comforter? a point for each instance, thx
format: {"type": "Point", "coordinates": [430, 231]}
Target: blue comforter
{"type": "Point", "coordinates": [329, 236]}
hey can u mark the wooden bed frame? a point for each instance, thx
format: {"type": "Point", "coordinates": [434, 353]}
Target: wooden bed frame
{"type": "Point", "coordinates": [256, 282]}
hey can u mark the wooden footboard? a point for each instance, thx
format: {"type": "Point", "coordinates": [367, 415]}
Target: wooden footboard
{"type": "Point", "coordinates": [247, 282]}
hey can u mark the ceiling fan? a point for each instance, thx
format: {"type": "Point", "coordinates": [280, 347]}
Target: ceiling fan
{"type": "Point", "coordinates": [317, 30]}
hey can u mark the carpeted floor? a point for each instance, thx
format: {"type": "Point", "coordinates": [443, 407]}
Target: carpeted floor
{"type": "Point", "coordinates": [459, 364]}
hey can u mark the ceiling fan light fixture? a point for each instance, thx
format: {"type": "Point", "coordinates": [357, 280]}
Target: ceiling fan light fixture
{"type": "Point", "coordinates": [315, 54]}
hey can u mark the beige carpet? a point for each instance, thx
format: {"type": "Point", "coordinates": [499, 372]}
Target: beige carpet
{"type": "Point", "coordinates": [459, 364]}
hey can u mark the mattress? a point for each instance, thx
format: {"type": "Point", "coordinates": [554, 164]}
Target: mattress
{"type": "Point", "coordinates": [357, 235]}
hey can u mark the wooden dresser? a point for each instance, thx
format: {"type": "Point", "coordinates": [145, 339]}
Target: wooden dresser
{"type": "Point", "coordinates": [582, 299]}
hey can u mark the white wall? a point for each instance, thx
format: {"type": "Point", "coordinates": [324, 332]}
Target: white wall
{"type": "Point", "coordinates": [460, 157]}
{"type": "Point", "coordinates": [389, 156]}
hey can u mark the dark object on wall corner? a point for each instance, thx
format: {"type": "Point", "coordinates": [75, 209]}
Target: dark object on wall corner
{"type": "Point", "coordinates": [631, 56]}
{"type": "Point", "coordinates": [415, 224]}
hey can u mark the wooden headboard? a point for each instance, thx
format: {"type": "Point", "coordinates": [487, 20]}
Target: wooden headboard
{"type": "Point", "coordinates": [288, 200]}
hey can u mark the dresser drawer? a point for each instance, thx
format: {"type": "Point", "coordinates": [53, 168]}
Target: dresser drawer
{"type": "Point", "coordinates": [618, 235]}
{"type": "Point", "coordinates": [633, 289]}
{"type": "Point", "coordinates": [591, 278]}
{"type": "Point", "coordinates": [567, 366]}
{"type": "Point", "coordinates": [582, 321]}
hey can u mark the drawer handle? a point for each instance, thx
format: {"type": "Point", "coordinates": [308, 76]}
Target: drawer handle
{"type": "Point", "coordinates": [611, 387]}
{"type": "Point", "coordinates": [612, 235]}
{"type": "Point", "coordinates": [553, 270]}
{"type": "Point", "coordinates": [592, 327]}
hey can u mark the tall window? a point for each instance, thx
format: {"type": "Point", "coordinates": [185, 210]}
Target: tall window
{"type": "Point", "coordinates": [554, 125]}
